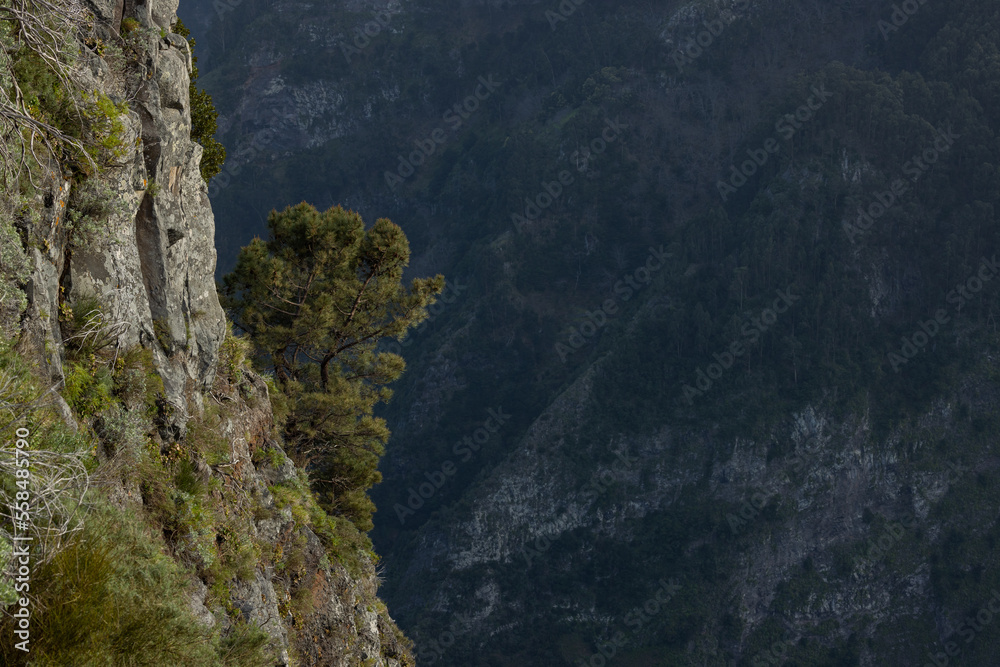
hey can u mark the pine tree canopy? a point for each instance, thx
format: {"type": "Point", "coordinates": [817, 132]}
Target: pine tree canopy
{"type": "Point", "coordinates": [316, 298]}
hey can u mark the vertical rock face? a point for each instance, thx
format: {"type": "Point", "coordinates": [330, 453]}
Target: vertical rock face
{"type": "Point", "coordinates": [152, 269]}
{"type": "Point", "coordinates": [175, 230]}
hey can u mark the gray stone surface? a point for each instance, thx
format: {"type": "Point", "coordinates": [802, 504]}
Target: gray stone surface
{"type": "Point", "coordinates": [155, 268]}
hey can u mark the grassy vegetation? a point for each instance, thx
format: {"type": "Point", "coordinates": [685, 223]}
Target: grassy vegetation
{"type": "Point", "coordinates": [111, 596]}
{"type": "Point", "coordinates": [14, 270]}
{"type": "Point", "coordinates": [118, 585]}
{"type": "Point", "coordinates": [114, 587]}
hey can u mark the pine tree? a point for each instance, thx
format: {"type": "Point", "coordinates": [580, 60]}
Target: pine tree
{"type": "Point", "coordinates": [316, 298]}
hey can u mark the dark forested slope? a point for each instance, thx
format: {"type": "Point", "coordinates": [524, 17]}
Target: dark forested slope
{"type": "Point", "coordinates": [748, 246]}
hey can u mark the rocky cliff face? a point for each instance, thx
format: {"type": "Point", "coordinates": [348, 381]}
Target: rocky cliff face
{"type": "Point", "coordinates": [150, 270]}
{"type": "Point", "coordinates": [317, 612]}
{"type": "Point", "coordinates": [806, 494]}
{"type": "Point", "coordinates": [153, 267]}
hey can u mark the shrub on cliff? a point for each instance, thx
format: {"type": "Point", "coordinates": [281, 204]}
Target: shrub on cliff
{"type": "Point", "coordinates": [43, 112]}
{"type": "Point", "coordinates": [203, 117]}
{"type": "Point", "coordinates": [15, 269]}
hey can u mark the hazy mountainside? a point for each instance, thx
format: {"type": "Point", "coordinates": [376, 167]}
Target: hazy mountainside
{"type": "Point", "coordinates": [715, 381]}
{"type": "Point", "coordinates": [164, 523]}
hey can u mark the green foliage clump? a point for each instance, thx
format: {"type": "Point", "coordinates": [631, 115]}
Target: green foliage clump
{"type": "Point", "coordinates": [81, 328]}
{"type": "Point", "coordinates": [205, 439]}
{"type": "Point", "coordinates": [205, 522]}
{"type": "Point", "coordinates": [91, 203]}
{"type": "Point", "coordinates": [294, 496]}
{"type": "Point", "coordinates": [161, 330]}
{"type": "Point", "coordinates": [196, 520]}
{"type": "Point", "coordinates": [202, 521]}
{"type": "Point", "coordinates": [233, 354]}
{"type": "Point", "coordinates": [316, 299]}
{"type": "Point", "coordinates": [88, 389]}
{"type": "Point", "coordinates": [85, 131]}
{"type": "Point", "coordinates": [104, 130]}
{"type": "Point", "coordinates": [94, 119]}
{"type": "Point", "coordinates": [46, 96]}
{"type": "Point", "coordinates": [341, 537]}
{"type": "Point", "coordinates": [203, 129]}
{"type": "Point", "coordinates": [246, 645]}
{"type": "Point", "coordinates": [15, 269]}
{"type": "Point", "coordinates": [117, 391]}
{"type": "Point", "coordinates": [130, 25]}
{"type": "Point", "coordinates": [123, 432]}
{"type": "Point", "coordinates": [238, 556]}
{"type": "Point", "coordinates": [26, 404]}
{"type": "Point", "coordinates": [204, 117]}
{"type": "Point", "coordinates": [137, 384]}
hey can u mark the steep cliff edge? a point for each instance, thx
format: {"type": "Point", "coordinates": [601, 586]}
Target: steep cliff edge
{"type": "Point", "coordinates": [120, 315]}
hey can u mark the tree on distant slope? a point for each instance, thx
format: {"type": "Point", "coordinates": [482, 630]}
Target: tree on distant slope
{"type": "Point", "coordinates": [316, 298]}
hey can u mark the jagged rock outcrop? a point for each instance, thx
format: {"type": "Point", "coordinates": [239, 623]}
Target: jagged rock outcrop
{"type": "Point", "coordinates": [319, 610]}
{"type": "Point", "coordinates": [152, 268]}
